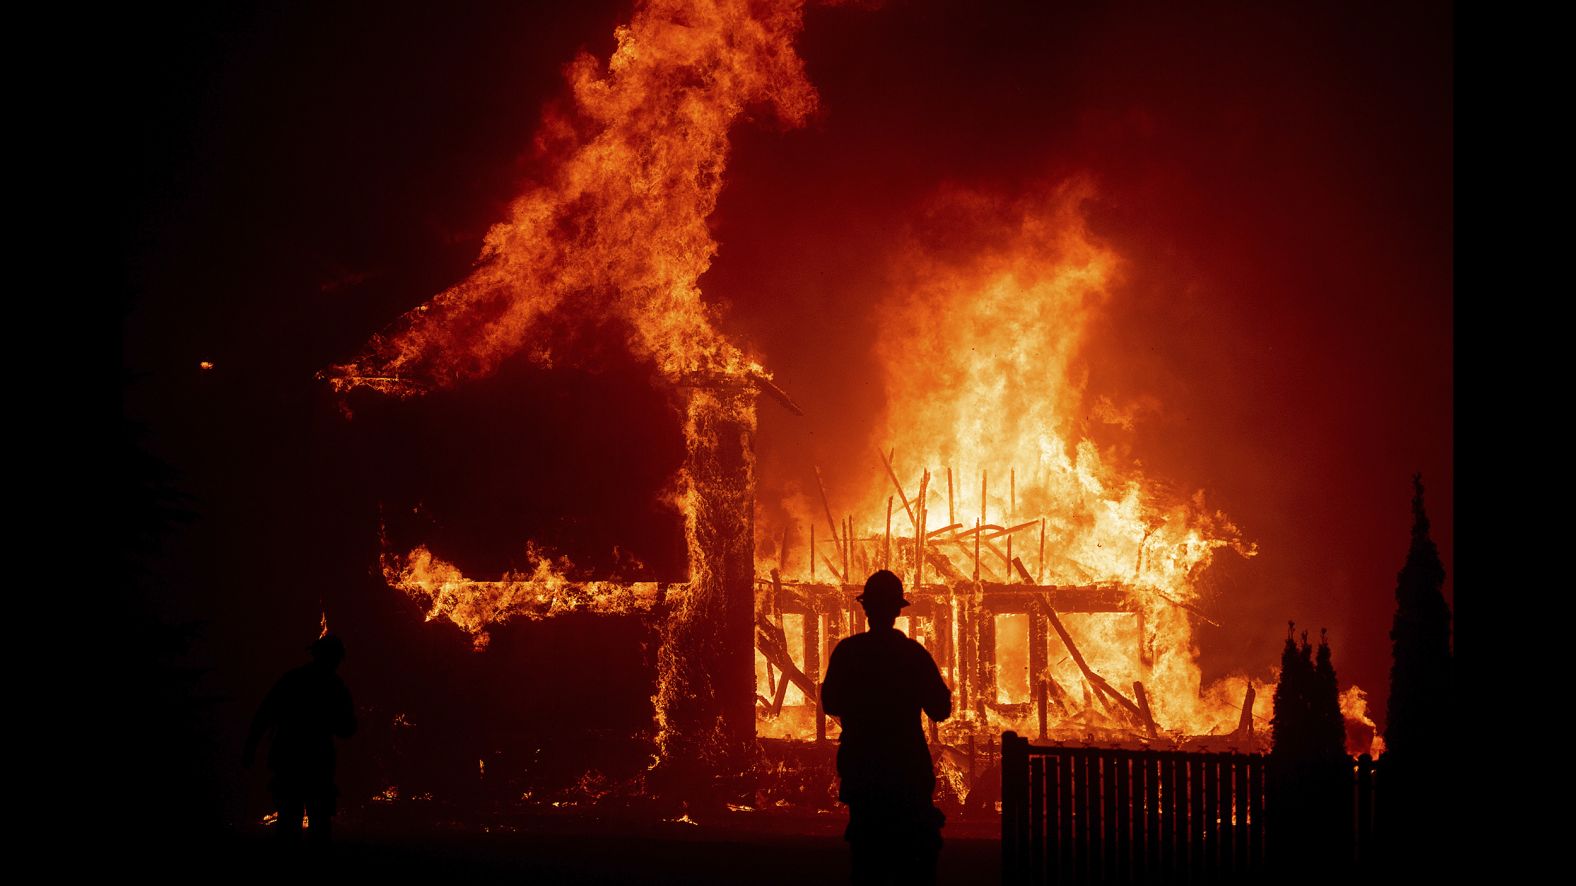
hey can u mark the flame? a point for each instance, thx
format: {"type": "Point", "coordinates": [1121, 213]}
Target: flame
{"type": "Point", "coordinates": [618, 225]}
{"type": "Point", "coordinates": [540, 591]}
{"type": "Point", "coordinates": [1354, 707]}
{"type": "Point", "coordinates": [615, 227]}
{"type": "Point", "coordinates": [323, 625]}
{"type": "Point", "coordinates": [984, 363]}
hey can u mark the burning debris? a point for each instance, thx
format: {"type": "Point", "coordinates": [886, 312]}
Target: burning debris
{"type": "Point", "coordinates": [984, 369]}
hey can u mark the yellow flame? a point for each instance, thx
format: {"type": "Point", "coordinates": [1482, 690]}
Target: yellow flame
{"type": "Point", "coordinates": [540, 591]}
{"type": "Point", "coordinates": [984, 363]}
{"type": "Point", "coordinates": [1354, 707]}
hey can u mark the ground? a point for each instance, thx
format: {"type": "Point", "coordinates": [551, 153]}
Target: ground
{"type": "Point", "coordinates": [759, 850]}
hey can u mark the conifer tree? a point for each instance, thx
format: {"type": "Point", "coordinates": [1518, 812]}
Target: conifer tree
{"type": "Point", "coordinates": [1289, 719]}
{"type": "Point", "coordinates": [1418, 710]}
{"type": "Point", "coordinates": [1328, 723]}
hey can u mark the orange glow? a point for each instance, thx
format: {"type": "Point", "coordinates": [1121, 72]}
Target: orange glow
{"type": "Point", "coordinates": [984, 363]}
{"type": "Point", "coordinates": [983, 360]}
{"type": "Point", "coordinates": [1354, 707]}
{"type": "Point", "coordinates": [617, 227]}
{"type": "Point", "coordinates": [537, 592]}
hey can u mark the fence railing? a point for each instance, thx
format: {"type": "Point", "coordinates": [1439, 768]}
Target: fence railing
{"type": "Point", "coordinates": [1109, 815]}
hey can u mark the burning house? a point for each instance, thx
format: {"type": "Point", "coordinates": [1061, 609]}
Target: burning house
{"type": "Point", "coordinates": [1054, 587]}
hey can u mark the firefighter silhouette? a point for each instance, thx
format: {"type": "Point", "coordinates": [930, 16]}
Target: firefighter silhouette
{"type": "Point", "coordinates": [877, 683]}
{"type": "Point", "coordinates": [305, 710]}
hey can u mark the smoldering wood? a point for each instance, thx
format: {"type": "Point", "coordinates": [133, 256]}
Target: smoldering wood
{"type": "Point", "coordinates": [812, 648]}
{"type": "Point", "coordinates": [1006, 560]}
{"type": "Point", "coordinates": [1058, 694]}
{"type": "Point", "coordinates": [777, 592]}
{"type": "Point", "coordinates": [999, 598]}
{"type": "Point", "coordinates": [781, 692]}
{"type": "Point", "coordinates": [1002, 533]}
{"type": "Point", "coordinates": [826, 503]}
{"type": "Point", "coordinates": [986, 630]}
{"type": "Point", "coordinates": [965, 660]}
{"type": "Point", "coordinates": [1039, 703]}
{"type": "Point", "coordinates": [768, 387]}
{"type": "Point", "coordinates": [1143, 709]}
{"type": "Point", "coordinates": [976, 553]}
{"type": "Point", "coordinates": [902, 496]}
{"type": "Point", "coordinates": [978, 528]}
{"type": "Point", "coordinates": [1042, 551]}
{"type": "Point", "coordinates": [886, 558]}
{"type": "Point", "coordinates": [773, 645]}
{"type": "Point", "coordinates": [1245, 724]}
{"type": "Point", "coordinates": [1095, 680]}
{"type": "Point", "coordinates": [1038, 663]}
{"type": "Point", "coordinates": [942, 619]}
{"type": "Point", "coordinates": [919, 530]}
{"type": "Point", "coordinates": [943, 566]}
{"type": "Point", "coordinates": [1180, 605]}
{"type": "Point", "coordinates": [848, 548]}
{"type": "Point", "coordinates": [833, 569]}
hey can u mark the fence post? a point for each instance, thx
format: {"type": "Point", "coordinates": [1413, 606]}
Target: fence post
{"type": "Point", "coordinates": [1014, 775]}
{"type": "Point", "coordinates": [1036, 844]}
{"type": "Point", "coordinates": [1065, 847]}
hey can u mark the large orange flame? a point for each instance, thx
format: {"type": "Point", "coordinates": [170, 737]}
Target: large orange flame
{"type": "Point", "coordinates": [617, 228]}
{"type": "Point", "coordinates": [619, 225]}
{"type": "Point", "coordinates": [984, 360]}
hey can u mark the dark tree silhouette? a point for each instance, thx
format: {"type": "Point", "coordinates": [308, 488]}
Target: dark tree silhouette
{"type": "Point", "coordinates": [1290, 726]}
{"type": "Point", "coordinates": [1420, 822]}
{"type": "Point", "coordinates": [1418, 710]}
{"type": "Point", "coordinates": [1309, 767]}
{"type": "Point", "coordinates": [1328, 724]}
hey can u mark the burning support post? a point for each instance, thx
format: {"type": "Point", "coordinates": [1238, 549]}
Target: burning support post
{"type": "Point", "coordinates": [706, 664]}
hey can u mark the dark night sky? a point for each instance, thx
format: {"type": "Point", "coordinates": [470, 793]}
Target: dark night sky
{"type": "Point", "coordinates": [1278, 181]}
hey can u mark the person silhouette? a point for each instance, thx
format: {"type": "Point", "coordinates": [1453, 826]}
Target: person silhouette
{"type": "Point", "coordinates": [304, 711]}
{"type": "Point", "coordinates": [876, 685]}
